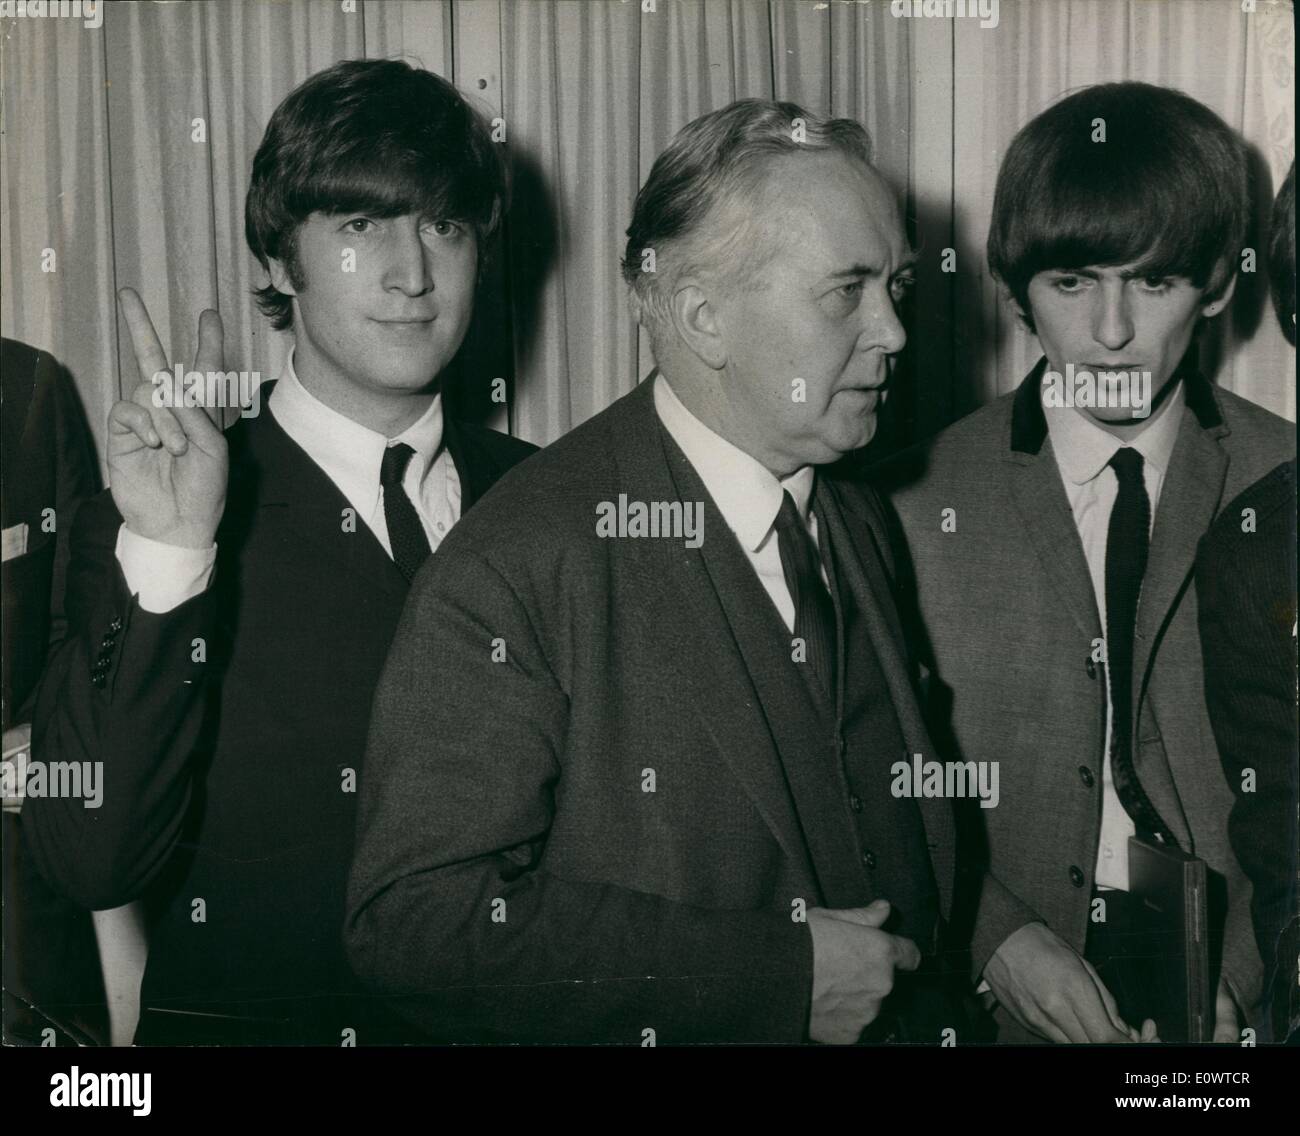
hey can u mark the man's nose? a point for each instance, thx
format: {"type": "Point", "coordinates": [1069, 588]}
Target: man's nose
{"type": "Point", "coordinates": [1112, 320]}
{"type": "Point", "coordinates": [408, 268]}
{"type": "Point", "coordinates": [882, 329]}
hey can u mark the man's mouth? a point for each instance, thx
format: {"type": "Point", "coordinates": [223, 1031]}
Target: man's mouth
{"type": "Point", "coordinates": [870, 388]}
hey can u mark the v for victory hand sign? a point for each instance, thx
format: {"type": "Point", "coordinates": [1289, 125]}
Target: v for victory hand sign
{"type": "Point", "coordinates": [167, 464]}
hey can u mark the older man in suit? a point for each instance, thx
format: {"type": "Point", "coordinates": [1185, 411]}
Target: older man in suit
{"type": "Point", "coordinates": [231, 602]}
{"type": "Point", "coordinates": [1052, 536]}
{"type": "Point", "coordinates": [629, 770]}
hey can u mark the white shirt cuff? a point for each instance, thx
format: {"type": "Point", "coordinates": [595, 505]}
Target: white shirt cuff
{"type": "Point", "coordinates": [163, 576]}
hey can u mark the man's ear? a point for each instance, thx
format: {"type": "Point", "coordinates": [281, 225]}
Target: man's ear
{"type": "Point", "coordinates": [696, 320]}
{"type": "Point", "coordinates": [1024, 317]}
{"type": "Point", "coordinates": [1221, 301]}
{"type": "Point", "coordinates": [279, 275]}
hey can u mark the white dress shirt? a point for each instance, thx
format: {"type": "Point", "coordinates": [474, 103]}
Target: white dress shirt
{"type": "Point", "coordinates": [1082, 451]}
{"type": "Point", "coordinates": [164, 576]}
{"type": "Point", "coordinates": [747, 495]}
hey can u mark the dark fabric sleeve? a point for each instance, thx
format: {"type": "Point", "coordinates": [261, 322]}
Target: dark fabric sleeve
{"type": "Point", "coordinates": [999, 915]}
{"type": "Point", "coordinates": [121, 689]}
{"type": "Point", "coordinates": [1246, 587]}
{"type": "Point", "coordinates": [452, 912]}
{"type": "Point", "coordinates": [49, 470]}
{"type": "Point", "coordinates": [77, 480]}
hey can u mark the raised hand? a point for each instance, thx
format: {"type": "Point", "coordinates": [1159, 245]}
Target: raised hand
{"type": "Point", "coordinates": [167, 465]}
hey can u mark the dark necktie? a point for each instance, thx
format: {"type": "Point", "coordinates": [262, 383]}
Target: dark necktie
{"type": "Point", "coordinates": [1127, 540]}
{"type": "Point", "coordinates": [405, 533]}
{"type": "Point", "coordinates": [814, 614]}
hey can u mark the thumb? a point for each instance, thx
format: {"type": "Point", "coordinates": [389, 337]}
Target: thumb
{"type": "Point", "coordinates": [874, 915]}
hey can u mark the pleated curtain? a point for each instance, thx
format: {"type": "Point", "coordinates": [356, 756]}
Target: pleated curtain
{"type": "Point", "coordinates": [126, 152]}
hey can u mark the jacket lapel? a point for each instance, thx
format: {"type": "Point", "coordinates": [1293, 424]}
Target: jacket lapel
{"type": "Point", "coordinates": [862, 574]}
{"type": "Point", "coordinates": [862, 577]}
{"type": "Point", "coordinates": [696, 593]}
{"type": "Point", "coordinates": [804, 737]}
{"type": "Point", "coordinates": [1044, 509]}
{"type": "Point", "coordinates": [1189, 501]}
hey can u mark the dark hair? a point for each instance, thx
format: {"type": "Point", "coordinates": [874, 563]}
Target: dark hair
{"type": "Point", "coordinates": [374, 136]}
{"type": "Point", "coordinates": [1281, 255]}
{"type": "Point", "coordinates": [1167, 189]}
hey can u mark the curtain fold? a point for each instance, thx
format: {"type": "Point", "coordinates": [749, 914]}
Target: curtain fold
{"type": "Point", "coordinates": [127, 150]}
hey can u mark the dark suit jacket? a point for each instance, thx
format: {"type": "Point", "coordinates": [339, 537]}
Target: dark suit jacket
{"type": "Point", "coordinates": [48, 464]}
{"type": "Point", "coordinates": [539, 677]}
{"type": "Point", "coordinates": [1246, 585]}
{"type": "Point", "coordinates": [229, 781]}
{"type": "Point", "coordinates": [1007, 607]}
{"type": "Point", "coordinates": [51, 962]}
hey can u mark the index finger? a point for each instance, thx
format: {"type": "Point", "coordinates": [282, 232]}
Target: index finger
{"type": "Point", "coordinates": [149, 356]}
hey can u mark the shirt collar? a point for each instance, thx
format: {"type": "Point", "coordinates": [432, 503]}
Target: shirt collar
{"type": "Point", "coordinates": [1083, 449]}
{"type": "Point", "coordinates": [349, 453]}
{"type": "Point", "coordinates": [746, 493]}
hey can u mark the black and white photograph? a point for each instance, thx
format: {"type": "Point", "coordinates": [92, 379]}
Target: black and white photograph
{"type": "Point", "coordinates": [717, 524]}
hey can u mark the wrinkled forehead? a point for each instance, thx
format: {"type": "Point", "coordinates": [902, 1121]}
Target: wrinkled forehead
{"type": "Point", "coordinates": [825, 210]}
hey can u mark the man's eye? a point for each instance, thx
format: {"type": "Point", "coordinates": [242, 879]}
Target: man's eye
{"type": "Point", "coordinates": [445, 228]}
{"type": "Point", "coordinates": [1156, 283]}
{"type": "Point", "coordinates": [359, 225]}
{"type": "Point", "coordinates": [1068, 283]}
{"type": "Point", "coordinates": [901, 287]}
{"type": "Point", "coordinates": [850, 291]}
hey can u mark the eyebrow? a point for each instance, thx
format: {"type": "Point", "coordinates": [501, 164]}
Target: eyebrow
{"type": "Point", "coordinates": [1132, 274]}
{"type": "Point", "coordinates": [868, 271]}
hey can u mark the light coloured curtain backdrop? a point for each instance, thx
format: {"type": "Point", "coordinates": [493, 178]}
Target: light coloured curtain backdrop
{"type": "Point", "coordinates": [104, 163]}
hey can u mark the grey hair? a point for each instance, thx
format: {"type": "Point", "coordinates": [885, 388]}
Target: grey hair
{"type": "Point", "coordinates": [718, 159]}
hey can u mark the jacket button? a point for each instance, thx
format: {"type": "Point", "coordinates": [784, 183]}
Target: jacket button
{"type": "Point", "coordinates": [869, 858]}
{"type": "Point", "coordinates": [115, 626]}
{"type": "Point", "coordinates": [1091, 667]}
{"type": "Point", "coordinates": [855, 802]}
{"type": "Point", "coordinates": [1085, 775]}
{"type": "Point", "coordinates": [1076, 876]}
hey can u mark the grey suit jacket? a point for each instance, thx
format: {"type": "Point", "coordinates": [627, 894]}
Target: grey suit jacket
{"type": "Point", "coordinates": [519, 774]}
{"type": "Point", "coordinates": [1004, 614]}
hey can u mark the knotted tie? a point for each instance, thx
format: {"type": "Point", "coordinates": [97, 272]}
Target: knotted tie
{"type": "Point", "coordinates": [405, 533]}
{"type": "Point", "coordinates": [814, 614]}
{"type": "Point", "coordinates": [1127, 541]}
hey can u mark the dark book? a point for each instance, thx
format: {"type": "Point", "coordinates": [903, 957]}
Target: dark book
{"type": "Point", "coordinates": [1169, 889]}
